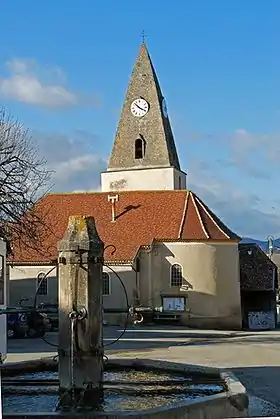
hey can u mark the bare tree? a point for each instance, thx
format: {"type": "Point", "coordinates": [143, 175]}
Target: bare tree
{"type": "Point", "coordinates": [24, 179]}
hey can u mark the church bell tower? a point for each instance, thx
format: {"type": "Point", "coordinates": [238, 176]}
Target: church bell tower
{"type": "Point", "coordinates": [144, 155]}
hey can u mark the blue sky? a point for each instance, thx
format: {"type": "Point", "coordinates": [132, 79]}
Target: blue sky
{"type": "Point", "coordinates": [64, 69]}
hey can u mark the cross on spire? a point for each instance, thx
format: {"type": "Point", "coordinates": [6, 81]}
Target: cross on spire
{"type": "Point", "coordinates": [143, 37]}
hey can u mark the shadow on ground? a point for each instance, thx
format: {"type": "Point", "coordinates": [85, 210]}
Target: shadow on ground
{"type": "Point", "coordinates": [245, 339]}
{"type": "Point", "coordinates": [147, 338]}
{"type": "Point", "coordinates": [263, 384]}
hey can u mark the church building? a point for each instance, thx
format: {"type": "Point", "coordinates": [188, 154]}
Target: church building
{"type": "Point", "coordinates": [174, 255]}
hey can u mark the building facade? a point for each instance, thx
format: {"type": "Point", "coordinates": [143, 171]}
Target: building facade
{"type": "Point", "coordinates": [173, 254]}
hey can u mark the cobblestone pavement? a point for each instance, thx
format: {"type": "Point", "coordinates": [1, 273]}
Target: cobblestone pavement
{"type": "Point", "coordinates": [253, 356]}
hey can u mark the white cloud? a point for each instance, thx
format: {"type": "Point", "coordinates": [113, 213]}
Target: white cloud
{"type": "Point", "coordinates": [244, 144]}
{"type": "Point", "coordinates": [238, 178]}
{"type": "Point", "coordinates": [73, 159]}
{"type": "Point", "coordinates": [45, 86]}
{"type": "Point", "coordinates": [245, 213]}
{"type": "Point", "coordinates": [75, 166]}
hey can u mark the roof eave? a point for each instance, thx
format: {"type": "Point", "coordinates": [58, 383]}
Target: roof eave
{"type": "Point", "coordinates": [231, 240]}
{"type": "Point", "coordinates": [53, 263]}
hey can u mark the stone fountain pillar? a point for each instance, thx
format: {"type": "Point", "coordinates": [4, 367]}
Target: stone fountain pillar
{"type": "Point", "coordinates": [80, 347]}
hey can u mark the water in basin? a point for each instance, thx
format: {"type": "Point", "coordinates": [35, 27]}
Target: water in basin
{"type": "Point", "coordinates": [127, 395]}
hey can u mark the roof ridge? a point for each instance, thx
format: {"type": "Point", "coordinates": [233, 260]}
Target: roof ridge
{"type": "Point", "coordinates": [211, 218]}
{"type": "Point", "coordinates": [74, 193]}
{"type": "Point", "coordinates": [184, 215]}
{"type": "Point", "coordinates": [199, 217]}
{"type": "Point", "coordinates": [119, 192]}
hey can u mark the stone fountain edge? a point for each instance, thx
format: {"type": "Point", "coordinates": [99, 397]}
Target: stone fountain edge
{"type": "Point", "coordinates": [231, 403]}
{"type": "Point", "coordinates": [32, 365]}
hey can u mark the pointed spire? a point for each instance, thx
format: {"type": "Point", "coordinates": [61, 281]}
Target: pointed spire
{"type": "Point", "coordinates": [144, 137]}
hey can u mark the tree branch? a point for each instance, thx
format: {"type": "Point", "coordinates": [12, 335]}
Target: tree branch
{"type": "Point", "coordinates": [24, 180]}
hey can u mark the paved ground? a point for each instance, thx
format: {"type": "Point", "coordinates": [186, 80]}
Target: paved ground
{"type": "Point", "coordinates": [253, 356]}
{"type": "Point", "coordinates": [134, 338]}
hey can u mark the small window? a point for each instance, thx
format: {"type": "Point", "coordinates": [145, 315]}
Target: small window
{"type": "Point", "coordinates": [42, 284]}
{"type": "Point", "coordinates": [106, 284]}
{"type": "Point", "coordinates": [180, 183]}
{"type": "Point", "coordinates": [176, 275]}
{"type": "Point", "coordinates": [139, 148]}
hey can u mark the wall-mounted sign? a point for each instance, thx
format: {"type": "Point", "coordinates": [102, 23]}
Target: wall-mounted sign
{"type": "Point", "coordinates": [173, 303]}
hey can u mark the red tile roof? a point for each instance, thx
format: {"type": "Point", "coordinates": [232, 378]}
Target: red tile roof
{"type": "Point", "coordinates": [141, 217]}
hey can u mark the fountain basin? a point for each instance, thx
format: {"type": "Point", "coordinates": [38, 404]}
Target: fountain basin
{"type": "Point", "coordinates": [142, 389]}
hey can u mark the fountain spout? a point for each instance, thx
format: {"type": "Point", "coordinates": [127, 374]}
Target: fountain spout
{"type": "Point", "coordinates": [80, 347]}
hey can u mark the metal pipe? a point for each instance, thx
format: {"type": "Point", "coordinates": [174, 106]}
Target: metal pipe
{"type": "Point", "coordinates": [136, 282]}
{"type": "Point", "coordinates": [12, 310]}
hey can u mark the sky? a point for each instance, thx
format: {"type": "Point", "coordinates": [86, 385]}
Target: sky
{"type": "Point", "coordinates": [64, 70]}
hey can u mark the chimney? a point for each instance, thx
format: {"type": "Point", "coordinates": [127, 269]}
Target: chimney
{"type": "Point", "coordinates": [113, 199]}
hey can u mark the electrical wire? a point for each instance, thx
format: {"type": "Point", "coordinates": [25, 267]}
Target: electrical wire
{"type": "Point", "coordinates": [127, 305]}
{"type": "Point", "coordinates": [54, 345]}
{"type": "Point", "coordinates": [39, 284]}
{"type": "Point", "coordinates": [35, 304]}
{"type": "Point", "coordinates": [126, 298]}
{"type": "Point", "coordinates": [55, 358]}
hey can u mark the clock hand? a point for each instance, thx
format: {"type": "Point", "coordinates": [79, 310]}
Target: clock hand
{"type": "Point", "coordinates": [139, 107]}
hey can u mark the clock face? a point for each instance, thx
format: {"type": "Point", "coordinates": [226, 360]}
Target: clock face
{"type": "Point", "coordinates": [164, 108]}
{"type": "Point", "coordinates": [139, 107]}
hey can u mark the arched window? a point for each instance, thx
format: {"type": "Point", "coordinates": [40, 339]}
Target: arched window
{"type": "Point", "coordinates": [140, 146]}
{"type": "Point", "coordinates": [42, 284]}
{"type": "Point", "coordinates": [106, 290]}
{"type": "Point", "coordinates": [176, 275]}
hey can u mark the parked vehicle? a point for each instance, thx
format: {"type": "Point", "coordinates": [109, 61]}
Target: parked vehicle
{"type": "Point", "coordinates": [31, 324]}
{"type": "Point", "coordinates": [51, 312]}
{"type": "Point", "coordinates": [17, 325]}
{"type": "Point", "coordinates": [38, 324]}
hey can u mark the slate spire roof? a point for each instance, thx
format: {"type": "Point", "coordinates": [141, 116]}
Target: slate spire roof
{"type": "Point", "coordinates": [142, 217]}
{"type": "Point", "coordinates": [154, 128]}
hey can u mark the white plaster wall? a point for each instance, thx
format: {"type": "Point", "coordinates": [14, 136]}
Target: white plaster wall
{"type": "Point", "coordinates": [211, 280]}
{"type": "Point", "coordinates": [143, 179]}
{"type": "Point", "coordinates": [23, 284]}
{"type": "Point", "coordinates": [180, 180]}
{"type": "Point", "coordinates": [212, 270]}
{"type": "Point", "coordinates": [117, 299]}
